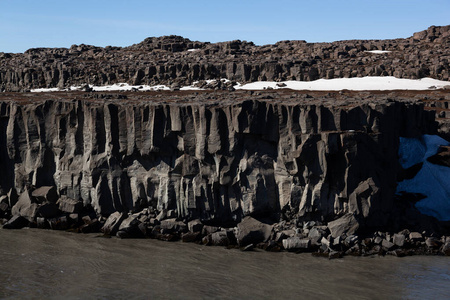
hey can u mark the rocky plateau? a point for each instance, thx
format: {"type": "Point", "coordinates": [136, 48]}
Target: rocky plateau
{"type": "Point", "coordinates": [176, 61]}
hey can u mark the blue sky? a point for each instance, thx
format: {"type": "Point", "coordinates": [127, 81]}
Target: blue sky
{"type": "Point", "coordinates": [44, 23]}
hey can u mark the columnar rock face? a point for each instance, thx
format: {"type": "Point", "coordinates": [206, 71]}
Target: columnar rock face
{"type": "Point", "coordinates": [176, 61]}
{"type": "Point", "coordinates": [213, 156]}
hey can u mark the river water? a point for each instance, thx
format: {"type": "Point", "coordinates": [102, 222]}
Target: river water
{"type": "Point", "coordinates": [41, 264]}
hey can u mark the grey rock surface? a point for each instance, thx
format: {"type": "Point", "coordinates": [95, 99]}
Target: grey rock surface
{"type": "Point", "coordinates": [296, 243]}
{"type": "Point", "coordinates": [346, 224]}
{"type": "Point", "coordinates": [213, 156]}
{"type": "Point", "coordinates": [252, 231]}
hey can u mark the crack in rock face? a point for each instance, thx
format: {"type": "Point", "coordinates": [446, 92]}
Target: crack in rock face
{"type": "Point", "coordinates": [214, 160]}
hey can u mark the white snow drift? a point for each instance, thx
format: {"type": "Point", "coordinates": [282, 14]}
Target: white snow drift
{"type": "Point", "coordinates": [370, 83]}
{"type": "Point", "coordinates": [378, 51]}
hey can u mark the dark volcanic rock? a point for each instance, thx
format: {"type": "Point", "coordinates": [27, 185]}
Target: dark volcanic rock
{"type": "Point", "coordinates": [25, 207]}
{"type": "Point", "coordinates": [296, 243]}
{"type": "Point", "coordinates": [69, 205]}
{"type": "Point", "coordinates": [16, 222]}
{"type": "Point", "coordinates": [167, 60]}
{"type": "Point", "coordinates": [48, 210]}
{"type": "Point", "coordinates": [113, 222]}
{"type": "Point", "coordinates": [446, 248]}
{"type": "Point", "coordinates": [215, 157]}
{"type": "Point", "coordinates": [252, 231]}
{"type": "Point", "coordinates": [45, 194]}
{"type": "Point", "coordinates": [346, 224]}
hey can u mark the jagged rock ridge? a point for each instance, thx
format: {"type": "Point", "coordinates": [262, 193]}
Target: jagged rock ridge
{"type": "Point", "coordinates": [166, 60]}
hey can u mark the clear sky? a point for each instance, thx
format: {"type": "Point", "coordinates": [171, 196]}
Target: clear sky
{"type": "Point", "coordinates": [27, 24]}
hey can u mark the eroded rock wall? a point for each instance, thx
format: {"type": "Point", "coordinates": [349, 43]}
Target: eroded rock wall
{"type": "Point", "coordinates": [217, 161]}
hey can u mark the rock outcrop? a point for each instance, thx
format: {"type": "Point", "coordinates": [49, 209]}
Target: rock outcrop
{"type": "Point", "coordinates": [213, 156]}
{"type": "Point", "coordinates": [176, 61]}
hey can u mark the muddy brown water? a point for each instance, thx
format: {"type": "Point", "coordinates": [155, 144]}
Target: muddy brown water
{"type": "Point", "coordinates": [41, 264]}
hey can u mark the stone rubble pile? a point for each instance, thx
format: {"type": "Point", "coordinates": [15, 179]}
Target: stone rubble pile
{"type": "Point", "coordinates": [333, 240]}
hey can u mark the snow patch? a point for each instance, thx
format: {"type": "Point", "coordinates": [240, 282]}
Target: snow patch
{"type": "Point", "coordinates": [194, 86]}
{"type": "Point", "coordinates": [369, 83]}
{"type": "Point", "coordinates": [45, 90]}
{"type": "Point", "coordinates": [432, 180]}
{"type": "Point", "coordinates": [378, 51]}
{"type": "Point", "coordinates": [127, 87]}
{"type": "Point", "coordinates": [191, 88]}
{"type": "Point", "coordinates": [110, 88]}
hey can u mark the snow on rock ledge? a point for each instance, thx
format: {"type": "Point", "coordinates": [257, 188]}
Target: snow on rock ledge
{"type": "Point", "coordinates": [370, 83]}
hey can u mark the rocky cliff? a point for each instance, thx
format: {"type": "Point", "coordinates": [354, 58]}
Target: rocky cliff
{"type": "Point", "coordinates": [176, 61]}
{"type": "Point", "coordinates": [214, 156]}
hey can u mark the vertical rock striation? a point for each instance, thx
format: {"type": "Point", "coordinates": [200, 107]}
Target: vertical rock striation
{"type": "Point", "coordinates": [217, 160]}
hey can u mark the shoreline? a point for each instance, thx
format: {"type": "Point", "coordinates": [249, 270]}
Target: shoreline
{"type": "Point", "coordinates": [401, 244]}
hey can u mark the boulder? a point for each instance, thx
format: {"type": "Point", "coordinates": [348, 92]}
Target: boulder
{"type": "Point", "coordinates": [207, 230]}
{"type": "Point", "coordinates": [129, 228]}
{"type": "Point", "coordinates": [316, 232]}
{"type": "Point", "coordinates": [25, 207]}
{"type": "Point", "coordinates": [45, 194]}
{"type": "Point", "coordinates": [69, 205]}
{"type": "Point", "coordinates": [415, 236]}
{"type": "Point", "coordinates": [399, 240]}
{"type": "Point", "coordinates": [190, 237]}
{"type": "Point", "coordinates": [172, 225]}
{"type": "Point", "coordinates": [387, 245]}
{"type": "Point", "coordinates": [90, 225]}
{"type": "Point", "coordinates": [113, 222]}
{"type": "Point", "coordinates": [280, 236]}
{"type": "Point", "coordinates": [346, 224]}
{"type": "Point", "coordinates": [295, 243]}
{"type": "Point", "coordinates": [433, 242]}
{"type": "Point", "coordinates": [222, 238]}
{"type": "Point", "coordinates": [16, 222]}
{"type": "Point", "coordinates": [252, 231]}
{"type": "Point", "coordinates": [130, 222]}
{"type": "Point", "coordinates": [59, 223]}
{"type": "Point", "coordinates": [195, 225]}
{"type": "Point", "coordinates": [351, 240]}
{"type": "Point", "coordinates": [48, 210]}
{"type": "Point", "coordinates": [325, 242]}
{"type": "Point", "coordinates": [446, 248]}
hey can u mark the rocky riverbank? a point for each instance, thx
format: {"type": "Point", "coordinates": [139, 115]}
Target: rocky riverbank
{"type": "Point", "coordinates": [279, 170]}
{"type": "Point", "coordinates": [41, 208]}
